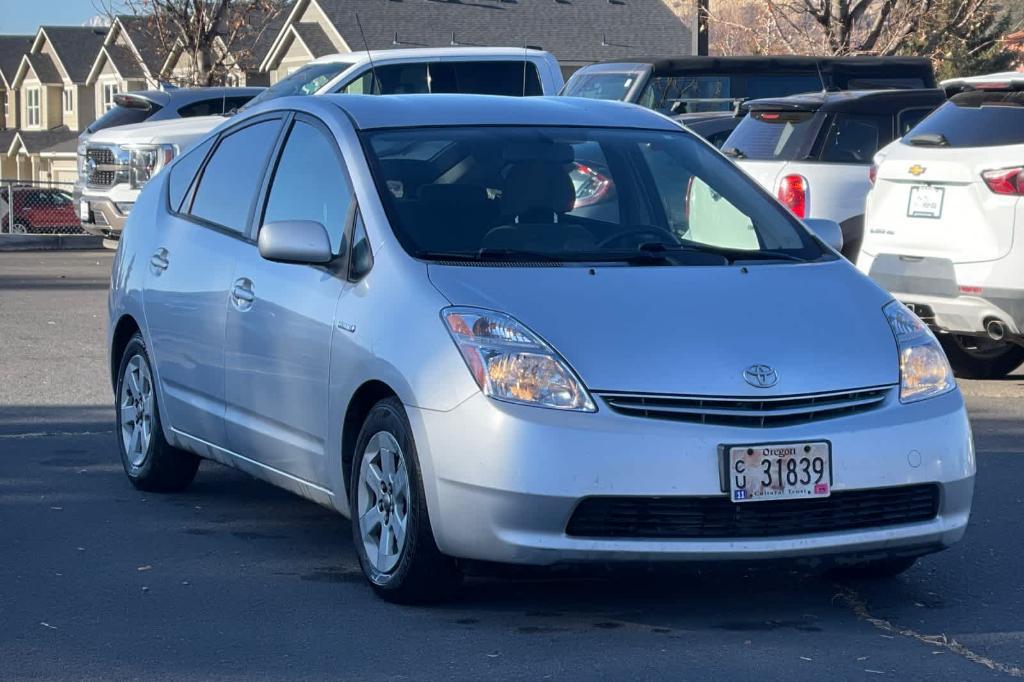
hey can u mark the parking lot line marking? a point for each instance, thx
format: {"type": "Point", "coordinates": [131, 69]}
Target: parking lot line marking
{"type": "Point", "coordinates": [52, 434]}
{"type": "Point", "coordinates": [855, 603]}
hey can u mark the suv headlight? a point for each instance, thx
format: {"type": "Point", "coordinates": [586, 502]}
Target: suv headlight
{"type": "Point", "coordinates": [511, 363]}
{"type": "Point", "coordinates": [924, 370]}
{"type": "Point", "coordinates": [146, 160]}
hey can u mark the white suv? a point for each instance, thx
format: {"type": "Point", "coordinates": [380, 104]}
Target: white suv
{"type": "Point", "coordinates": [117, 162]}
{"type": "Point", "coordinates": [940, 224]}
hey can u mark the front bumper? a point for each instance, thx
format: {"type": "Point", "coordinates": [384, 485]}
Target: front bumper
{"type": "Point", "coordinates": [502, 481]}
{"type": "Point", "coordinates": [105, 218]}
{"type": "Point", "coordinates": [932, 288]}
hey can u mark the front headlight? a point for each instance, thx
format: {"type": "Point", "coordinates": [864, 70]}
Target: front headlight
{"type": "Point", "coordinates": [924, 370]}
{"type": "Point", "coordinates": [511, 363]}
{"type": "Point", "coordinates": [146, 160]}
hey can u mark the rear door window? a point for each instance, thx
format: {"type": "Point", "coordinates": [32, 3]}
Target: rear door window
{"type": "Point", "coordinates": [231, 179]}
{"type": "Point", "coordinates": [211, 107]}
{"type": "Point", "coordinates": [774, 135]}
{"type": "Point", "coordinates": [855, 138]}
{"type": "Point", "coordinates": [974, 119]}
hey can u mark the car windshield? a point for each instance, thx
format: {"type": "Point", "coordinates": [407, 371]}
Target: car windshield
{"type": "Point", "coordinates": [773, 136]}
{"type": "Point", "coordinates": [611, 83]}
{"type": "Point", "coordinates": [973, 119]}
{"type": "Point", "coordinates": [304, 81]}
{"type": "Point", "coordinates": [576, 195]}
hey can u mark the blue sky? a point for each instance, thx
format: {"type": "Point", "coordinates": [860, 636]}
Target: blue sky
{"type": "Point", "coordinates": [25, 16]}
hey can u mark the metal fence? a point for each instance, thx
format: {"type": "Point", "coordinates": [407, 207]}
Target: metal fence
{"type": "Point", "coordinates": [38, 208]}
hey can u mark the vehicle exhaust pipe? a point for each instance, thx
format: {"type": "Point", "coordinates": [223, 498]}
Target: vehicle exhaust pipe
{"type": "Point", "coordinates": [996, 330]}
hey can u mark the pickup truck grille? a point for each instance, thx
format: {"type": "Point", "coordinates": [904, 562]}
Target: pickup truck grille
{"type": "Point", "coordinates": [102, 168]}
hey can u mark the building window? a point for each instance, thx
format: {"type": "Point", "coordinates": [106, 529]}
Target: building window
{"type": "Point", "coordinates": [109, 90]}
{"type": "Point", "coordinates": [69, 100]}
{"type": "Point", "coordinates": [32, 107]}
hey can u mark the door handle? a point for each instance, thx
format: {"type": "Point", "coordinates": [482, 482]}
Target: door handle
{"type": "Point", "coordinates": [242, 294]}
{"type": "Point", "coordinates": [158, 262]}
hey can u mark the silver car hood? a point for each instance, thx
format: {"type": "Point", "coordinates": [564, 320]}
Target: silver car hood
{"type": "Point", "coordinates": [694, 330]}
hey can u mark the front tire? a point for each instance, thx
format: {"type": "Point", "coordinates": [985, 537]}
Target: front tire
{"type": "Point", "coordinates": [390, 524]}
{"type": "Point", "coordinates": [149, 461]}
{"type": "Point", "coordinates": [981, 358]}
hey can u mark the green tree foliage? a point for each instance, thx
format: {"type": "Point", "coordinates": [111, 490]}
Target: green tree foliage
{"type": "Point", "coordinates": [963, 43]}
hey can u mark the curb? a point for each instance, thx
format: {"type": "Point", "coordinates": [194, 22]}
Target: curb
{"type": "Point", "coordinates": [42, 242]}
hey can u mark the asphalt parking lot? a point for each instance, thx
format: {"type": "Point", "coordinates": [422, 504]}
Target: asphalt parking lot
{"type": "Point", "coordinates": [234, 579]}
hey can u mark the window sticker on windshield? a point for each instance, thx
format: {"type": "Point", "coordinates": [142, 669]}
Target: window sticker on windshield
{"type": "Point", "coordinates": [397, 188]}
{"type": "Point", "coordinates": [629, 81]}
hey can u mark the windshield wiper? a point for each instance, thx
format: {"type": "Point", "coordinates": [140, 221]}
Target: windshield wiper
{"type": "Point", "coordinates": [734, 153]}
{"type": "Point", "coordinates": [732, 255]}
{"type": "Point", "coordinates": [490, 255]}
{"type": "Point", "coordinates": [929, 140]}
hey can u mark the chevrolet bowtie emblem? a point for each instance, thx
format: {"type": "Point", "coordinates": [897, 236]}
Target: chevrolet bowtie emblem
{"type": "Point", "coordinates": [916, 170]}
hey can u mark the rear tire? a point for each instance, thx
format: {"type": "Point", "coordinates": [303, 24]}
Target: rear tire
{"type": "Point", "coordinates": [878, 569]}
{"type": "Point", "coordinates": [19, 228]}
{"type": "Point", "coordinates": [981, 358]}
{"type": "Point", "coordinates": [390, 524]}
{"type": "Point", "coordinates": [149, 461]}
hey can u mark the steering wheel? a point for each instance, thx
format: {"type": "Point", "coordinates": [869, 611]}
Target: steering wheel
{"type": "Point", "coordinates": [660, 234]}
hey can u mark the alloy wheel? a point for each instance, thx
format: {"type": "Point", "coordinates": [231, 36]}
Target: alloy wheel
{"type": "Point", "coordinates": [382, 501]}
{"type": "Point", "coordinates": [136, 405]}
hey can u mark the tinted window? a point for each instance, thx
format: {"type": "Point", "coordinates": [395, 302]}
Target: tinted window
{"type": "Point", "coordinates": [183, 172]}
{"type": "Point", "coordinates": [781, 86]}
{"type": "Point", "coordinates": [231, 179]}
{"type": "Point", "coordinates": [514, 78]}
{"type": "Point", "coordinates": [774, 135]}
{"type": "Point", "coordinates": [122, 116]}
{"type": "Point", "coordinates": [573, 195]}
{"type": "Point", "coordinates": [908, 118]}
{"type": "Point", "coordinates": [975, 119]}
{"type": "Point", "coordinates": [212, 107]}
{"type": "Point", "coordinates": [688, 94]}
{"type": "Point", "coordinates": [854, 138]}
{"type": "Point", "coordinates": [310, 183]}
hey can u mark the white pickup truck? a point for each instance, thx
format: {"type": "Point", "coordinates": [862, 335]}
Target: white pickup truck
{"type": "Point", "coordinates": [115, 163]}
{"type": "Point", "coordinates": [814, 151]}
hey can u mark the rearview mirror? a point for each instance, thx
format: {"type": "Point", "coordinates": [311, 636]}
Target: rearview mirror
{"type": "Point", "coordinates": [295, 241]}
{"type": "Point", "coordinates": [827, 231]}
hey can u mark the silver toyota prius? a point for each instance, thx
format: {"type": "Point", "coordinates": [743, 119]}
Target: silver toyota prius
{"type": "Point", "coordinates": [526, 331]}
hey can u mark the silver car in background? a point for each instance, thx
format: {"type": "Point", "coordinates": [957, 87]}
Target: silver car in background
{"type": "Point", "coordinates": [527, 331]}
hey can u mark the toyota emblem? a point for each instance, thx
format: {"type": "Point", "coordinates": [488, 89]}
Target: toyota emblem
{"type": "Point", "coordinates": [761, 376]}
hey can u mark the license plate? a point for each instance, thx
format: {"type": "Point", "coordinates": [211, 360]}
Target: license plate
{"type": "Point", "coordinates": [83, 211]}
{"type": "Point", "coordinates": [779, 471]}
{"type": "Point", "coordinates": [926, 202]}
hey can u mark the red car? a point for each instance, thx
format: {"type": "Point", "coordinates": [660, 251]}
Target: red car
{"type": "Point", "coordinates": [37, 211]}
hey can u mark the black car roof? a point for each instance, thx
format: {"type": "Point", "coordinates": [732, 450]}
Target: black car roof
{"type": "Point", "coordinates": [851, 101]}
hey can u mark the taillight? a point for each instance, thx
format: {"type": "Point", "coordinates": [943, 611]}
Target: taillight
{"type": "Point", "coordinates": [793, 194]}
{"type": "Point", "coordinates": [592, 187]}
{"type": "Point", "coordinates": [873, 174]}
{"type": "Point", "coordinates": [1005, 181]}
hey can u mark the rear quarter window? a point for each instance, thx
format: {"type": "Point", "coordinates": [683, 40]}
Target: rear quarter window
{"type": "Point", "coordinates": [975, 119]}
{"type": "Point", "coordinates": [854, 138]}
{"type": "Point", "coordinates": [184, 172]}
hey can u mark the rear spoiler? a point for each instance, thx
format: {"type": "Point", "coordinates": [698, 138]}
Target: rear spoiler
{"type": "Point", "coordinates": [130, 101]}
{"type": "Point", "coordinates": [1012, 83]}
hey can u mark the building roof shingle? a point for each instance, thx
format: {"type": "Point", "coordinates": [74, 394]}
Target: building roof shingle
{"type": "Point", "coordinates": [142, 33]}
{"type": "Point", "coordinates": [12, 48]}
{"type": "Point", "coordinates": [124, 60]}
{"type": "Point", "coordinates": [76, 47]}
{"type": "Point", "coordinates": [573, 30]}
{"type": "Point", "coordinates": [313, 36]}
{"type": "Point", "coordinates": [36, 141]}
{"type": "Point", "coordinates": [45, 70]}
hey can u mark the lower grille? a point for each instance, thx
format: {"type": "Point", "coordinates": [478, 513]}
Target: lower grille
{"type": "Point", "coordinates": [752, 412]}
{"type": "Point", "coordinates": [718, 517]}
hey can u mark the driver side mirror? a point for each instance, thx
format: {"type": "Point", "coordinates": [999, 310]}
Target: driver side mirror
{"type": "Point", "coordinates": [295, 241]}
{"type": "Point", "coordinates": [827, 231]}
